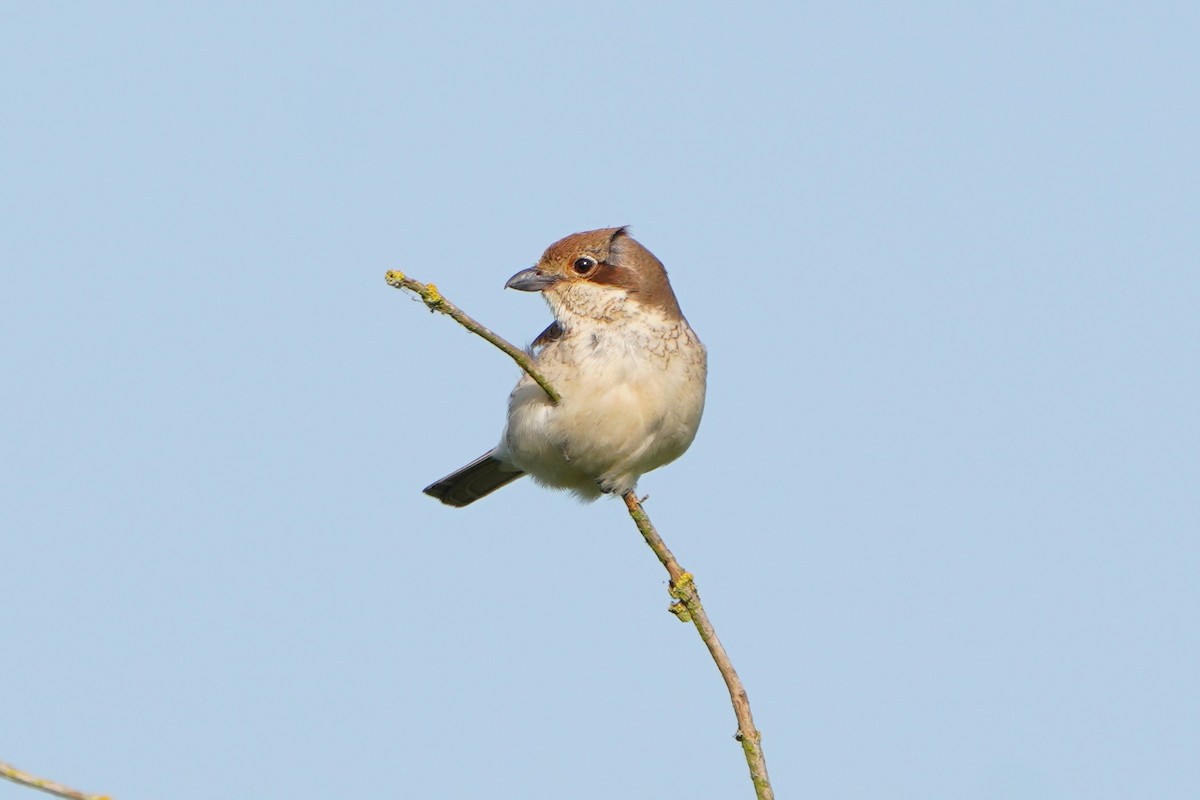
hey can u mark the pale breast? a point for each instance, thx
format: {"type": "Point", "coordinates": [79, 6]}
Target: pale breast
{"type": "Point", "coordinates": [633, 395]}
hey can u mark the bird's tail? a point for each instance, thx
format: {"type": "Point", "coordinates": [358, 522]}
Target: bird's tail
{"type": "Point", "coordinates": [481, 477]}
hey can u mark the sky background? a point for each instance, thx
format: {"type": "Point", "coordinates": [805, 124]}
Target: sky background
{"type": "Point", "coordinates": [943, 507]}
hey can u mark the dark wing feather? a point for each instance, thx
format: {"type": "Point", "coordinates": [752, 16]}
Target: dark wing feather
{"type": "Point", "coordinates": [481, 477]}
{"type": "Point", "coordinates": [551, 334]}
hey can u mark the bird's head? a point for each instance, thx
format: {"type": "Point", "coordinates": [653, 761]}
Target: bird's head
{"type": "Point", "coordinates": [596, 269]}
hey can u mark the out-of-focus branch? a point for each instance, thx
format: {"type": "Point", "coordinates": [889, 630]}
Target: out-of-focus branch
{"type": "Point", "coordinates": [51, 787]}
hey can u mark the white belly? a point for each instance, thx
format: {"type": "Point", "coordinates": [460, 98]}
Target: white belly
{"type": "Point", "coordinates": [629, 404]}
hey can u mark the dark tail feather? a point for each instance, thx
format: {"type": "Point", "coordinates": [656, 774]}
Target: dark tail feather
{"type": "Point", "coordinates": [481, 477]}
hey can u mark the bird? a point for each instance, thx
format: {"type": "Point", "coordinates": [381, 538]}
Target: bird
{"type": "Point", "coordinates": [630, 370]}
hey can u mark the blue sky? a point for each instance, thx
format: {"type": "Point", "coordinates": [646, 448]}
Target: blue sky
{"type": "Point", "coordinates": [942, 507]}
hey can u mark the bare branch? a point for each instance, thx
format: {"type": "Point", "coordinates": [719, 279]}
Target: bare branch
{"type": "Point", "coordinates": [25, 779]}
{"type": "Point", "coordinates": [687, 607]}
{"type": "Point", "coordinates": [433, 298]}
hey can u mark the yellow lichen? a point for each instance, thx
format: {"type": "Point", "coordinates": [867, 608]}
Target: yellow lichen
{"type": "Point", "coordinates": [682, 585]}
{"type": "Point", "coordinates": [431, 296]}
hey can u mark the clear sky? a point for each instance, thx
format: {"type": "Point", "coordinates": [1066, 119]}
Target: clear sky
{"type": "Point", "coordinates": [943, 507]}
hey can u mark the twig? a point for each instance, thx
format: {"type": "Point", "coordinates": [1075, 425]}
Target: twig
{"type": "Point", "coordinates": [433, 298]}
{"type": "Point", "coordinates": [25, 779]}
{"type": "Point", "coordinates": [687, 607]}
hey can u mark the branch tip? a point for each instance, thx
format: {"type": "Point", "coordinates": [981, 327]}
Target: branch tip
{"type": "Point", "coordinates": [435, 301]}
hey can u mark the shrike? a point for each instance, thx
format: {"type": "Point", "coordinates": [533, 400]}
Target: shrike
{"type": "Point", "coordinates": [630, 371]}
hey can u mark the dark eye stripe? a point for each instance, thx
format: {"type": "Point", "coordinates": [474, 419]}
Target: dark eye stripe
{"type": "Point", "coordinates": [612, 275]}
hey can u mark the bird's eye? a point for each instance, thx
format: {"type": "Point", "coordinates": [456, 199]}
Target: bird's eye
{"type": "Point", "coordinates": [582, 265]}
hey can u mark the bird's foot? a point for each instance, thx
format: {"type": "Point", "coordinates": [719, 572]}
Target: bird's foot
{"type": "Point", "coordinates": [618, 485]}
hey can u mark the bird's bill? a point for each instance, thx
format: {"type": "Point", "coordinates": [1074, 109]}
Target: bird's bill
{"type": "Point", "coordinates": [530, 280]}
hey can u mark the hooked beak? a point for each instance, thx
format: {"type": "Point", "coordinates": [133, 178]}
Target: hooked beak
{"type": "Point", "coordinates": [530, 280]}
